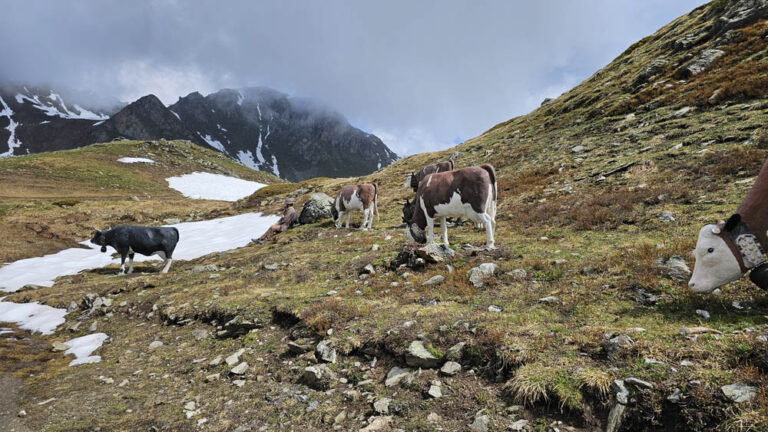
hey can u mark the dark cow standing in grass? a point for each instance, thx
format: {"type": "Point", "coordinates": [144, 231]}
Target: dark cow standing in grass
{"type": "Point", "coordinates": [727, 250]}
{"type": "Point", "coordinates": [413, 179]}
{"type": "Point", "coordinates": [128, 240]}
{"type": "Point", "coordinates": [363, 197]}
{"type": "Point", "coordinates": [468, 192]}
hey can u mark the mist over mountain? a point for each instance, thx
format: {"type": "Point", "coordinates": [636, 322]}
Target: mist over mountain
{"type": "Point", "coordinates": [294, 138]}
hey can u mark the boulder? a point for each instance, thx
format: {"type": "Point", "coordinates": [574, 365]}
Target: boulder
{"type": "Point", "coordinates": [396, 375]}
{"type": "Point", "coordinates": [316, 208]}
{"type": "Point", "coordinates": [480, 424]}
{"type": "Point", "coordinates": [454, 353]}
{"type": "Point", "coordinates": [434, 280]}
{"type": "Point", "coordinates": [418, 356]}
{"type": "Point", "coordinates": [315, 377]}
{"type": "Point", "coordinates": [739, 392]}
{"type": "Point", "coordinates": [480, 274]}
{"type": "Point", "coordinates": [674, 268]}
{"type": "Point", "coordinates": [325, 353]}
{"type": "Point", "coordinates": [436, 253]}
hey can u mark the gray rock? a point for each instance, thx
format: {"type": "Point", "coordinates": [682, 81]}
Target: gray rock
{"type": "Point", "coordinates": [72, 307]}
{"type": "Point", "coordinates": [435, 391]}
{"type": "Point", "coordinates": [702, 313]}
{"type": "Point", "coordinates": [480, 424]}
{"type": "Point", "coordinates": [324, 352]}
{"type": "Point", "coordinates": [172, 221]}
{"type": "Point", "coordinates": [316, 208]}
{"type": "Point", "coordinates": [436, 253]}
{"type": "Point", "coordinates": [518, 274]}
{"type": "Point", "coordinates": [200, 334]}
{"type": "Point", "coordinates": [654, 68]}
{"type": "Point", "coordinates": [620, 392]}
{"type": "Point", "coordinates": [434, 280]}
{"type": "Point", "coordinates": [615, 417]}
{"type": "Point", "coordinates": [480, 274]}
{"type": "Point", "coordinates": [682, 112]}
{"type": "Point", "coordinates": [204, 268]}
{"type": "Point", "coordinates": [315, 377]}
{"type": "Point", "coordinates": [674, 268]}
{"type": "Point", "coordinates": [578, 149]}
{"type": "Point", "coordinates": [739, 392]}
{"type": "Point", "coordinates": [666, 216]}
{"type": "Point", "coordinates": [676, 396]}
{"type": "Point", "coordinates": [454, 353]}
{"type": "Point", "coordinates": [638, 383]}
{"type": "Point", "coordinates": [700, 64]}
{"type": "Point", "coordinates": [240, 369]}
{"type": "Point", "coordinates": [216, 361]}
{"type": "Point", "coordinates": [450, 368]}
{"type": "Point", "coordinates": [155, 344]}
{"type": "Point", "coordinates": [646, 298]}
{"type": "Point", "coordinates": [234, 358]}
{"type": "Point", "coordinates": [381, 406]}
{"type": "Point", "coordinates": [396, 375]}
{"type": "Point", "coordinates": [494, 308]}
{"type": "Point", "coordinates": [520, 425]}
{"type": "Point", "coordinates": [270, 267]}
{"type": "Point", "coordinates": [60, 346]}
{"type": "Point", "coordinates": [418, 356]}
{"type": "Point", "coordinates": [378, 423]}
{"type": "Point", "coordinates": [298, 348]}
{"type": "Point", "coordinates": [549, 300]}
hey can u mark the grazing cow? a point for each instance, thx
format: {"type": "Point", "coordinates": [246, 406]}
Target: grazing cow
{"type": "Point", "coordinates": [362, 197]}
{"type": "Point", "coordinates": [468, 192]}
{"type": "Point", "coordinates": [413, 179]}
{"type": "Point", "coordinates": [727, 250]}
{"type": "Point", "coordinates": [128, 240]}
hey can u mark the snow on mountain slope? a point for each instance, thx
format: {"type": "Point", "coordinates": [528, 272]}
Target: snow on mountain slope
{"type": "Point", "coordinates": [13, 142]}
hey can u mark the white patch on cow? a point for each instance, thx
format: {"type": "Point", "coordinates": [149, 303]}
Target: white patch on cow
{"type": "Point", "coordinates": [354, 202]}
{"type": "Point", "coordinates": [455, 208]}
{"type": "Point", "coordinates": [168, 262]}
{"type": "Point", "coordinates": [429, 180]}
{"type": "Point", "coordinates": [712, 269]}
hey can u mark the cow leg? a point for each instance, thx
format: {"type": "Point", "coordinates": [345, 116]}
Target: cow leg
{"type": "Point", "coordinates": [488, 223]}
{"type": "Point", "coordinates": [340, 220]}
{"type": "Point", "coordinates": [364, 225]}
{"type": "Point", "coordinates": [130, 267]}
{"type": "Point", "coordinates": [349, 215]}
{"type": "Point", "coordinates": [444, 224]}
{"type": "Point", "coordinates": [168, 262]}
{"type": "Point", "coordinates": [430, 230]}
{"type": "Point", "coordinates": [370, 219]}
{"type": "Point", "coordinates": [123, 254]}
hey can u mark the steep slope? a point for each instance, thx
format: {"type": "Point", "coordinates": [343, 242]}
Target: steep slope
{"type": "Point", "coordinates": [293, 138]}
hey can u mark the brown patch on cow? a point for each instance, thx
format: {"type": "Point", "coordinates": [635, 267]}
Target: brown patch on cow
{"type": "Point", "coordinates": [430, 169]}
{"type": "Point", "coordinates": [473, 184]}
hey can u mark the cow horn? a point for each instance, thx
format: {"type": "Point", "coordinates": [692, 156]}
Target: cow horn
{"type": "Point", "coordinates": [716, 230]}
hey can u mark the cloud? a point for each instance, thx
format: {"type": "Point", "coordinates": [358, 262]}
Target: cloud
{"type": "Point", "coordinates": [423, 73]}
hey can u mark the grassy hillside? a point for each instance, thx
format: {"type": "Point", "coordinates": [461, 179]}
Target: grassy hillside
{"type": "Point", "coordinates": [587, 185]}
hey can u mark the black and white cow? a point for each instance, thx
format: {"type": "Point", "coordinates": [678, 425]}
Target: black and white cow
{"type": "Point", "coordinates": [468, 192]}
{"type": "Point", "coordinates": [128, 240]}
{"type": "Point", "coordinates": [413, 179]}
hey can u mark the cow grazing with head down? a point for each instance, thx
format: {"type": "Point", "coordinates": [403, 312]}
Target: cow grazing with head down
{"type": "Point", "coordinates": [363, 197]}
{"type": "Point", "coordinates": [468, 192]}
{"type": "Point", "coordinates": [413, 179]}
{"type": "Point", "coordinates": [727, 250]}
{"type": "Point", "coordinates": [128, 240]}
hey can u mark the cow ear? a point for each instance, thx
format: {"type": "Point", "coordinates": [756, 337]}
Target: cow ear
{"type": "Point", "coordinates": [732, 222]}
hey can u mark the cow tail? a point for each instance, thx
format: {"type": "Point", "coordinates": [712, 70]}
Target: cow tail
{"type": "Point", "coordinates": [376, 201]}
{"type": "Point", "coordinates": [492, 174]}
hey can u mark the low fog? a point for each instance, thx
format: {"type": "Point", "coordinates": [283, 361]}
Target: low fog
{"type": "Point", "coordinates": [421, 75]}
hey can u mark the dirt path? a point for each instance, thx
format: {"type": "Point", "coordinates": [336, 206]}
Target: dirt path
{"type": "Point", "coordinates": [9, 388]}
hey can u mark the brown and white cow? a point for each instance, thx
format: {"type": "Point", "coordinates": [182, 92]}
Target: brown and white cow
{"type": "Point", "coordinates": [468, 192]}
{"type": "Point", "coordinates": [363, 197]}
{"type": "Point", "coordinates": [727, 250]}
{"type": "Point", "coordinates": [413, 179]}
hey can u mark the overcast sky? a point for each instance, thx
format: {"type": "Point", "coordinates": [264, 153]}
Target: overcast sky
{"type": "Point", "coordinates": [422, 75]}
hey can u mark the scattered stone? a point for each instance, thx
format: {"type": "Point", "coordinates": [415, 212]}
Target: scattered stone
{"type": "Point", "coordinates": [615, 416]}
{"type": "Point", "coordinates": [450, 368]}
{"type": "Point", "coordinates": [155, 344]}
{"type": "Point", "coordinates": [676, 396]}
{"type": "Point", "coordinates": [436, 253]}
{"type": "Point", "coordinates": [578, 149]}
{"type": "Point", "coordinates": [518, 274]}
{"type": "Point", "coordinates": [435, 391]}
{"type": "Point", "coordinates": [374, 247]}
{"type": "Point", "coordinates": [22, 413]}
{"type": "Point", "coordinates": [613, 345]}
{"type": "Point", "coordinates": [216, 361]}
{"type": "Point", "coordinates": [297, 348]}
{"type": "Point", "coordinates": [240, 369]}
{"type": "Point", "coordinates": [172, 221]}
{"type": "Point", "coordinates": [650, 361]}
{"type": "Point", "coordinates": [270, 267]}
{"type": "Point", "coordinates": [433, 418]}
{"type": "Point", "coordinates": [519, 426]}
{"type": "Point", "coordinates": [379, 423]}
{"type": "Point", "coordinates": [418, 356]}
{"type": "Point", "coordinates": [238, 382]}
{"type": "Point", "coordinates": [106, 380]}
{"type": "Point", "coordinates": [739, 392]}
{"type": "Point", "coordinates": [700, 64]}
{"type": "Point", "coordinates": [646, 298]}
{"type": "Point", "coordinates": [200, 334]}
{"type": "Point", "coordinates": [698, 330]}
{"type": "Point", "coordinates": [620, 391]}
{"type": "Point", "coordinates": [494, 308]}
{"type": "Point", "coordinates": [59, 346]}
{"type": "Point", "coordinates": [549, 300]}
{"type": "Point", "coordinates": [381, 406]}
{"type": "Point", "coordinates": [316, 208]}
{"type": "Point", "coordinates": [204, 268]}
{"type": "Point", "coordinates": [480, 424]}
{"type": "Point", "coordinates": [666, 216]}
{"type": "Point", "coordinates": [234, 358]}
{"type": "Point", "coordinates": [123, 383]}
{"type": "Point", "coordinates": [324, 352]}
{"type": "Point", "coordinates": [702, 313]}
{"type": "Point", "coordinates": [638, 383]}
{"type": "Point", "coordinates": [314, 377]}
{"type": "Point", "coordinates": [682, 112]}
{"type": "Point", "coordinates": [434, 280]}
{"type": "Point", "coordinates": [396, 375]}
{"type": "Point", "coordinates": [674, 268]}
{"type": "Point", "coordinates": [687, 363]}
{"type": "Point", "coordinates": [480, 274]}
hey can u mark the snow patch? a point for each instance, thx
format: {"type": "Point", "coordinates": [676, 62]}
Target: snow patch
{"type": "Point", "coordinates": [195, 240]}
{"type": "Point", "coordinates": [202, 185]}
{"type": "Point", "coordinates": [32, 316]}
{"type": "Point", "coordinates": [213, 143]}
{"type": "Point", "coordinates": [83, 346]}
{"type": "Point", "coordinates": [130, 160]}
{"type": "Point", "coordinates": [174, 113]}
{"type": "Point", "coordinates": [64, 112]}
{"type": "Point", "coordinates": [13, 142]}
{"type": "Point", "coordinates": [275, 170]}
{"type": "Point", "coordinates": [48, 121]}
{"type": "Point", "coordinates": [246, 158]}
{"type": "Point", "coordinates": [240, 98]}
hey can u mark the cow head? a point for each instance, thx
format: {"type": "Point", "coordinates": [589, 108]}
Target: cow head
{"type": "Point", "coordinates": [334, 213]}
{"type": "Point", "coordinates": [412, 230]}
{"type": "Point", "coordinates": [716, 264]}
{"type": "Point", "coordinates": [99, 239]}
